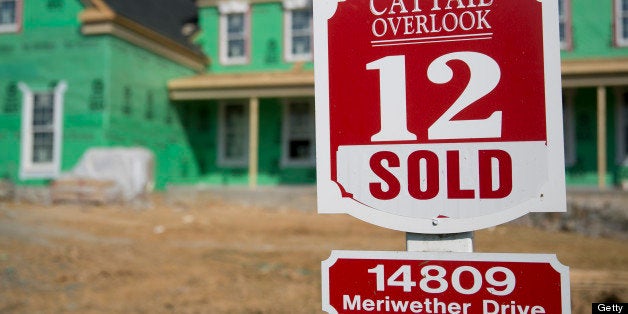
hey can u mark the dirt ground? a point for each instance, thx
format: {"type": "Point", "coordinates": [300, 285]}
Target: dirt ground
{"type": "Point", "coordinates": [206, 254]}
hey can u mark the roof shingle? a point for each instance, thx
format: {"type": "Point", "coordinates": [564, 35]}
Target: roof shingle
{"type": "Point", "coordinates": [166, 17]}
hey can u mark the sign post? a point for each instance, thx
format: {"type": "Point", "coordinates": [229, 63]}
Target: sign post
{"type": "Point", "coordinates": [456, 242]}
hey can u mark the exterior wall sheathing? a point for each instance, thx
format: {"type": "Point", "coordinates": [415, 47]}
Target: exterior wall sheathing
{"type": "Point", "coordinates": [592, 37]}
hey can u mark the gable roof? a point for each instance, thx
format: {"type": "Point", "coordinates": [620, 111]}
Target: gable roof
{"type": "Point", "coordinates": [167, 17]}
{"type": "Point", "coordinates": [156, 25]}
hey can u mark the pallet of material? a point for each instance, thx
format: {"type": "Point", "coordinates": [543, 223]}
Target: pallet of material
{"type": "Point", "coordinates": [84, 190]}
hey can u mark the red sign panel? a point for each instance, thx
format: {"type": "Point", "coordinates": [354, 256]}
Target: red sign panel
{"type": "Point", "coordinates": [456, 283]}
{"type": "Point", "coordinates": [438, 116]}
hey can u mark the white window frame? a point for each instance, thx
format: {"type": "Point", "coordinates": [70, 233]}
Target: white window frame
{"type": "Point", "coordinates": [621, 119]}
{"type": "Point", "coordinates": [564, 18]}
{"type": "Point", "coordinates": [227, 8]}
{"type": "Point", "coordinates": [41, 170]}
{"type": "Point", "coordinates": [569, 124]}
{"type": "Point", "coordinates": [223, 159]}
{"type": "Point", "coordinates": [289, 7]}
{"type": "Point", "coordinates": [620, 40]}
{"type": "Point", "coordinates": [15, 26]}
{"type": "Point", "coordinates": [288, 135]}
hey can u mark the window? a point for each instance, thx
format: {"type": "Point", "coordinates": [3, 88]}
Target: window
{"type": "Point", "coordinates": [564, 24]}
{"type": "Point", "coordinates": [569, 127]}
{"type": "Point", "coordinates": [41, 132]}
{"type": "Point", "coordinates": [621, 22]}
{"type": "Point", "coordinates": [298, 133]}
{"type": "Point", "coordinates": [624, 131]}
{"type": "Point", "coordinates": [235, 41]}
{"type": "Point", "coordinates": [298, 30]}
{"type": "Point", "coordinates": [10, 15]}
{"type": "Point", "coordinates": [233, 150]}
{"type": "Point", "coordinates": [622, 128]}
{"type": "Point", "coordinates": [234, 33]}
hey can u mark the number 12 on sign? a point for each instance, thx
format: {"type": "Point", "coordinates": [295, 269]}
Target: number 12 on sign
{"type": "Point", "coordinates": [485, 75]}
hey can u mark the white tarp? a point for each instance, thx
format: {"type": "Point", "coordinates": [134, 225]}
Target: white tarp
{"type": "Point", "coordinates": [130, 168]}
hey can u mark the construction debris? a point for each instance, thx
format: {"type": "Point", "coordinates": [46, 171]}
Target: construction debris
{"type": "Point", "coordinates": [105, 175]}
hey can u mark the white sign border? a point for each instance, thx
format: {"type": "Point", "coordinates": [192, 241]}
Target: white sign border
{"type": "Point", "coordinates": [447, 256]}
{"type": "Point", "coordinates": [329, 198]}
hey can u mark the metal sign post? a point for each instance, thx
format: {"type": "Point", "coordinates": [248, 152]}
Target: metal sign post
{"type": "Point", "coordinates": [456, 242]}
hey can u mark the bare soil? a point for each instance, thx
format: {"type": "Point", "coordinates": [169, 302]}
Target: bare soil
{"type": "Point", "coordinates": [212, 255]}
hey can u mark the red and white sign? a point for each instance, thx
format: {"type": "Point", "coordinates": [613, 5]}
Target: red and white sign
{"type": "Point", "coordinates": [454, 283]}
{"type": "Point", "coordinates": [438, 116]}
